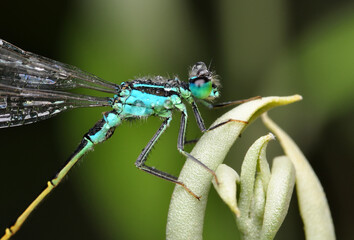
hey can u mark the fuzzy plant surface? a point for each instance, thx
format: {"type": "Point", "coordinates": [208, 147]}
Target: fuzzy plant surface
{"type": "Point", "coordinates": [186, 213]}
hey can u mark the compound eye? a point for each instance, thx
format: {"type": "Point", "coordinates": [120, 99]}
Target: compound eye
{"type": "Point", "coordinates": [200, 87]}
{"type": "Point", "coordinates": [199, 82]}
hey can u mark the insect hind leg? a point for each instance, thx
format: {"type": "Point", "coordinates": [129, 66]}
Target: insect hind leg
{"type": "Point", "coordinates": [140, 162]}
{"type": "Point", "coordinates": [225, 122]}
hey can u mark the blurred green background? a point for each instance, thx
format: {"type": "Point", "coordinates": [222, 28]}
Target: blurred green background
{"type": "Point", "coordinates": [257, 47]}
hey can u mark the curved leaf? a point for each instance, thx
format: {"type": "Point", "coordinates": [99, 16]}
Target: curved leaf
{"type": "Point", "coordinates": [186, 214]}
{"type": "Point", "coordinates": [226, 187]}
{"type": "Point", "coordinates": [279, 192]}
{"type": "Point", "coordinates": [313, 204]}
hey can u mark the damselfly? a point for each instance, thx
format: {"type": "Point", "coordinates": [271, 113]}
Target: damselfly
{"type": "Point", "coordinates": [34, 88]}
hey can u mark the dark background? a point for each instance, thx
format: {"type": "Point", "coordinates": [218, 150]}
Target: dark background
{"type": "Point", "coordinates": [258, 48]}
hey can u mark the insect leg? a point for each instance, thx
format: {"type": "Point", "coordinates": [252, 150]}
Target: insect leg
{"type": "Point", "coordinates": [198, 117]}
{"type": "Point", "coordinates": [227, 121]}
{"type": "Point", "coordinates": [226, 104]}
{"type": "Point", "coordinates": [229, 103]}
{"type": "Point", "coordinates": [200, 121]}
{"type": "Point", "coordinates": [102, 130]}
{"type": "Point", "coordinates": [140, 162]}
{"type": "Point", "coordinates": [181, 142]}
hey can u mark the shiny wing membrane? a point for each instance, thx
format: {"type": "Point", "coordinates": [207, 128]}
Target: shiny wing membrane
{"type": "Point", "coordinates": [30, 87]}
{"type": "Point", "coordinates": [28, 70]}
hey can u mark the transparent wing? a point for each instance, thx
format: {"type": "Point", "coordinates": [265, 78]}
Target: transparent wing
{"type": "Point", "coordinates": [19, 106]}
{"type": "Point", "coordinates": [30, 87]}
{"type": "Point", "coordinates": [27, 70]}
